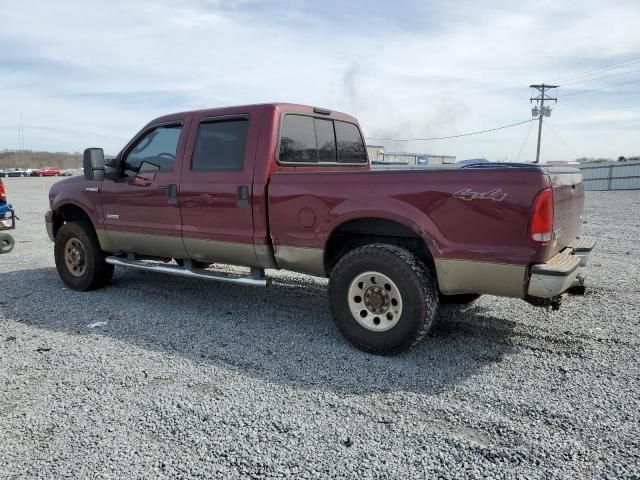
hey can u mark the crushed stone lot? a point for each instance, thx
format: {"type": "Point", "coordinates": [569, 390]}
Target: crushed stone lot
{"type": "Point", "coordinates": [190, 379]}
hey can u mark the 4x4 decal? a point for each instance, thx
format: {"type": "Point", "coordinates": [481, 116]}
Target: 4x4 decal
{"type": "Point", "coordinates": [497, 195]}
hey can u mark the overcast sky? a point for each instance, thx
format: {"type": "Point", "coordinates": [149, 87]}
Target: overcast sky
{"type": "Point", "coordinates": [92, 73]}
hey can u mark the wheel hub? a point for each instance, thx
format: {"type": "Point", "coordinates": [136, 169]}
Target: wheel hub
{"type": "Point", "coordinates": [375, 301]}
{"type": "Point", "coordinates": [74, 257]}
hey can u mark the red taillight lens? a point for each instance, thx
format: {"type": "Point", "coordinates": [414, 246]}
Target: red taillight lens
{"type": "Point", "coordinates": [541, 227]}
{"type": "Point", "coordinates": [3, 196]}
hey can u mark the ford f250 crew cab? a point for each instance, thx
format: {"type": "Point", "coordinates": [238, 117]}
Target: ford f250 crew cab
{"type": "Point", "coordinates": [282, 186]}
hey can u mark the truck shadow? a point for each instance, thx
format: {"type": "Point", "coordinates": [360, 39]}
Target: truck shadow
{"type": "Point", "coordinates": [283, 334]}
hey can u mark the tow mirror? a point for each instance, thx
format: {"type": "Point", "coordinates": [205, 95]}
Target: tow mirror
{"type": "Point", "coordinates": [93, 164]}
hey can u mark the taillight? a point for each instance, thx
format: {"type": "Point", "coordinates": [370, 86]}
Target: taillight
{"type": "Point", "coordinates": [3, 196]}
{"type": "Point", "coordinates": [541, 226]}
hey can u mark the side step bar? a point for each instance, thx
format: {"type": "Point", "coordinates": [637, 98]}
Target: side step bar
{"type": "Point", "coordinates": [257, 278]}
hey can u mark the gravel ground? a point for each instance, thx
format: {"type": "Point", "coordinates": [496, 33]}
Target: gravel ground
{"type": "Point", "coordinates": [194, 379]}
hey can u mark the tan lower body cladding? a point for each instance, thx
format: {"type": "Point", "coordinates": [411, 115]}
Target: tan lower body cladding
{"type": "Point", "coordinates": [297, 259]}
{"type": "Point", "coordinates": [466, 276]}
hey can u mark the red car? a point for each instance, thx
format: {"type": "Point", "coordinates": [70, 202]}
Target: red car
{"type": "Point", "coordinates": [289, 186]}
{"type": "Point", "coordinates": [46, 172]}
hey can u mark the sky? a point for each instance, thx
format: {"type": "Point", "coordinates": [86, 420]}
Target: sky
{"type": "Point", "coordinates": [80, 74]}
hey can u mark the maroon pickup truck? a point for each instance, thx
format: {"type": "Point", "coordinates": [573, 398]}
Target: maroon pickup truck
{"type": "Point", "coordinates": [282, 186]}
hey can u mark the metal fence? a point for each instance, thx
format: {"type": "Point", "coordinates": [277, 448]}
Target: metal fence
{"type": "Point", "coordinates": [612, 177]}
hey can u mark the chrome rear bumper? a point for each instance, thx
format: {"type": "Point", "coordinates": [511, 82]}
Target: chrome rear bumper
{"type": "Point", "coordinates": [561, 272]}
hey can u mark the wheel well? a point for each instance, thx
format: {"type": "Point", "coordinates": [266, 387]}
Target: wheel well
{"type": "Point", "coordinates": [68, 213]}
{"type": "Point", "coordinates": [363, 231]}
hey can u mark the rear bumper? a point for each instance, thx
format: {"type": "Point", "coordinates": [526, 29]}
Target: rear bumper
{"type": "Point", "coordinates": [561, 272]}
{"type": "Point", "coordinates": [48, 220]}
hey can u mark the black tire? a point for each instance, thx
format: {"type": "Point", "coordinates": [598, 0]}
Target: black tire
{"type": "Point", "coordinates": [92, 271]}
{"type": "Point", "coordinates": [6, 243]}
{"type": "Point", "coordinates": [414, 282]}
{"type": "Point", "coordinates": [461, 299]}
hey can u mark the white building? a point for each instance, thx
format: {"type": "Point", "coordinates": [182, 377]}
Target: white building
{"type": "Point", "coordinates": [379, 156]}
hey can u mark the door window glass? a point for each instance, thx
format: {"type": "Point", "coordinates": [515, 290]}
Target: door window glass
{"type": "Point", "coordinates": [158, 147]}
{"type": "Point", "coordinates": [220, 145]}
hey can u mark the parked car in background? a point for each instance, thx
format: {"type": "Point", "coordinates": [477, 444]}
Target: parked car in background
{"type": "Point", "coordinates": [13, 172]}
{"type": "Point", "coordinates": [46, 172]}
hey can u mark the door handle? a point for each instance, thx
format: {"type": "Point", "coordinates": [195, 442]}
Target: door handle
{"type": "Point", "coordinates": [242, 196]}
{"type": "Point", "coordinates": [172, 193]}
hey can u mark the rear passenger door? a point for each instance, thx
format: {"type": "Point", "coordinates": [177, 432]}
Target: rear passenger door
{"type": "Point", "coordinates": [216, 189]}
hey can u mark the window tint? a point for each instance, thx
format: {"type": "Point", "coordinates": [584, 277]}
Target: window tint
{"type": "Point", "coordinates": [305, 139]}
{"type": "Point", "coordinates": [326, 140]}
{"type": "Point", "coordinates": [350, 145]}
{"type": "Point", "coordinates": [220, 146]}
{"type": "Point", "coordinates": [157, 147]}
{"type": "Point", "coordinates": [298, 140]}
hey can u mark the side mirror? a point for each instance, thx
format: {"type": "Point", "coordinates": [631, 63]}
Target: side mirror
{"type": "Point", "coordinates": [112, 169]}
{"type": "Point", "coordinates": [93, 164]}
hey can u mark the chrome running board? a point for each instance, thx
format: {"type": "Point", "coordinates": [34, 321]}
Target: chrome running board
{"type": "Point", "coordinates": [257, 279]}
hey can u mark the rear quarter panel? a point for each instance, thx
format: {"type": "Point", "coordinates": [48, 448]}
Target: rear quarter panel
{"type": "Point", "coordinates": [445, 207]}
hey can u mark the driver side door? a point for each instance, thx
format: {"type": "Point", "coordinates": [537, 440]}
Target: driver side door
{"type": "Point", "coordinates": [141, 208]}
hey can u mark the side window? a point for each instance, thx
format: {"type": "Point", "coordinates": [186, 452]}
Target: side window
{"type": "Point", "coordinates": [298, 140]}
{"type": "Point", "coordinates": [220, 145]}
{"type": "Point", "coordinates": [157, 147]}
{"type": "Point", "coordinates": [350, 145]}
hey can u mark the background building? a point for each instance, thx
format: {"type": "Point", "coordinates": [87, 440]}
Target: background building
{"type": "Point", "coordinates": [378, 156]}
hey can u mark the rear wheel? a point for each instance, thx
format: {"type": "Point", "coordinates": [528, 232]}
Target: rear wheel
{"type": "Point", "coordinates": [6, 243]}
{"type": "Point", "coordinates": [79, 260]}
{"type": "Point", "coordinates": [383, 299]}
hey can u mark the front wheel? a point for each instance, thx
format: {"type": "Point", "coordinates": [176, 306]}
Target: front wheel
{"type": "Point", "coordinates": [383, 298]}
{"type": "Point", "coordinates": [79, 260]}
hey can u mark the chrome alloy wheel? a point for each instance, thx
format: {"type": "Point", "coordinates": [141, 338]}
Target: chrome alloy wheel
{"type": "Point", "coordinates": [375, 301]}
{"type": "Point", "coordinates": [75, 258]}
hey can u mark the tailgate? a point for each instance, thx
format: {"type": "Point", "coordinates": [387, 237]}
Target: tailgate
{"type": "Point", "coordinates": [568, 205]}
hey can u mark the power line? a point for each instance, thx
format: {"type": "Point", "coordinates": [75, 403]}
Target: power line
{"type": "Point", "coordinates": [561, 140]}
{"type": "Point", "coordinates": [582, 92]}
{"type": "Point", "coordinates": [526, 137]}
{"type": "Point", "coordinates": [599, 78]}
{"type": "Point", "coordinates": [606, 68]}
{"type": "Point", "coordinates": [450, 136]}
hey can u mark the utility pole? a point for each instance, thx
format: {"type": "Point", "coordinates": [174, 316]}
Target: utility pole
{"type": "Point", "coordinates": [540, 110]}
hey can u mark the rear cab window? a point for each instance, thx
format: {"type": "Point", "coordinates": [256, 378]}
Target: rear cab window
{"type": "Point", "coordinates": [306, 139]}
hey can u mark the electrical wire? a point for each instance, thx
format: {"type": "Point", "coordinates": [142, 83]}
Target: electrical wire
{"type": "Point", "coordinates": [606, 68]}
{"type": "Point", "coordinates": [447, 137]}
{"type": "Point", "coordinates": [599, 78]}
{"type": "Point", "coordinates": [547, 125]}
{"type": "Point", "coordinates": [582, 92]}
{"type": "Point", "coordinates": [526, 137]}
